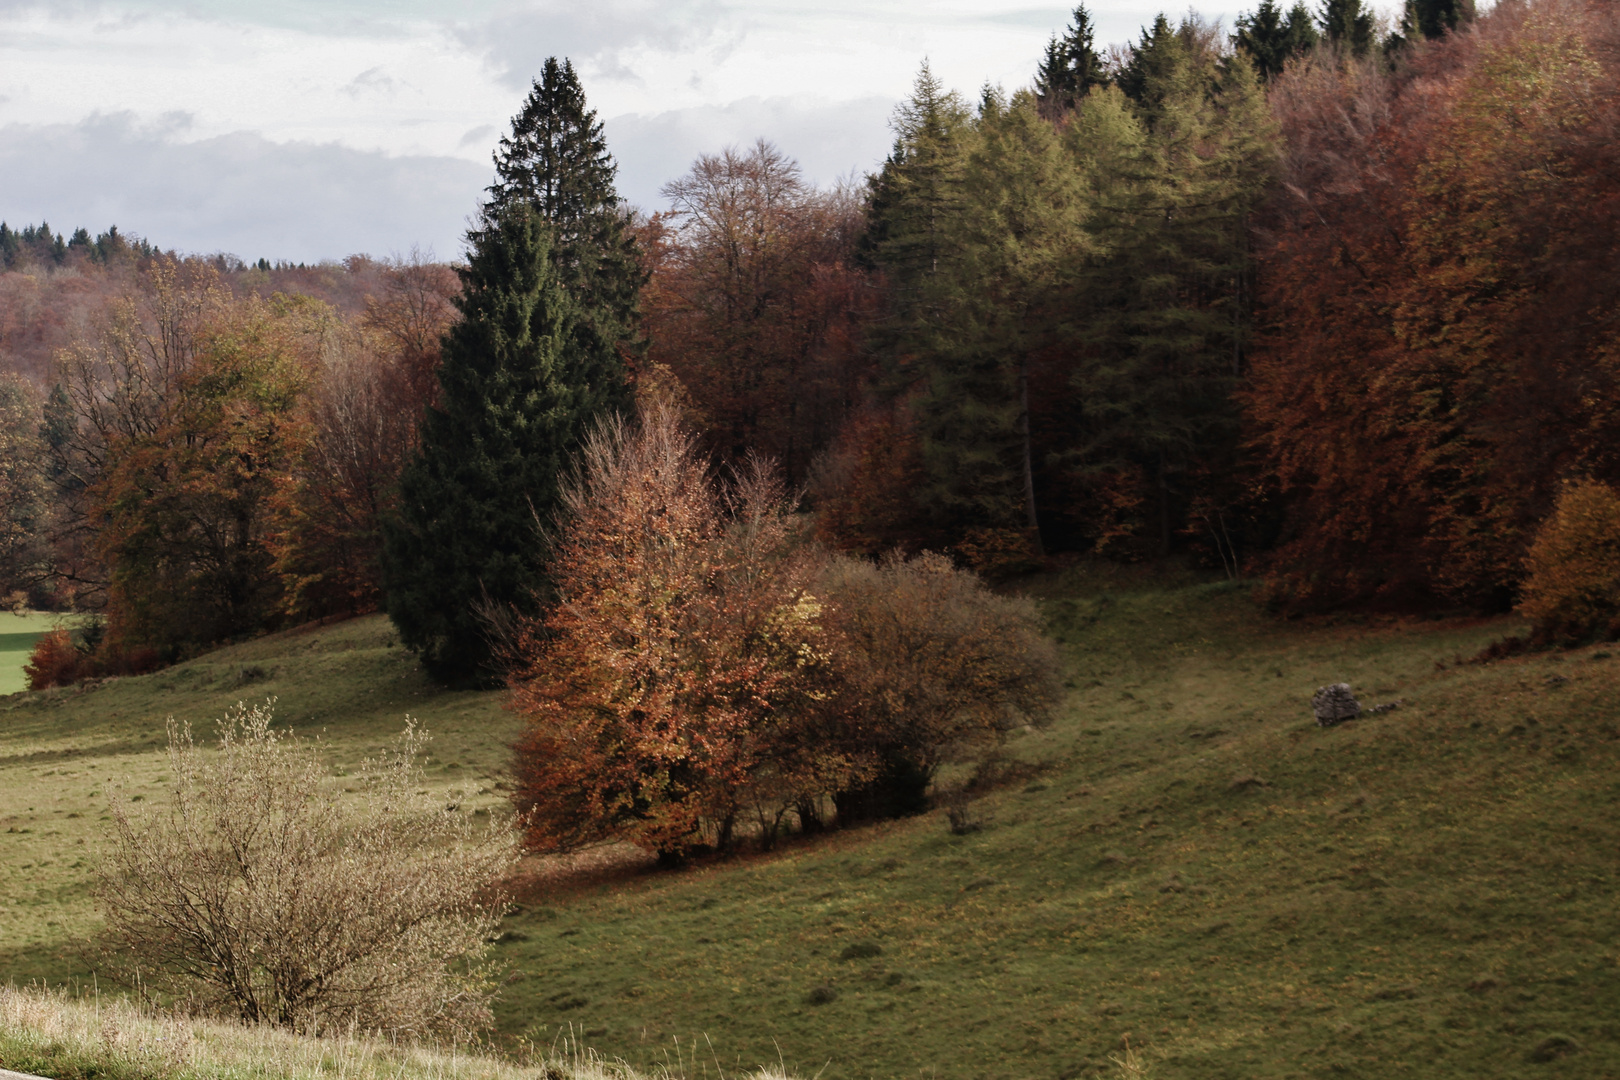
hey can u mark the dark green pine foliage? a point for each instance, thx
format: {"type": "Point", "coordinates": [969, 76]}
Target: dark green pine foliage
{"type": "Point", "coordinates": [1348, 25]}
{"type": "Point", "coordinates": [1070, 68]}
{"type": "Point", "coordinates": [1431, 19]}
{"type": "Point", "coordinates": [1272, 38]}
{"type": "Point", "coordinates": [556, 161]}
{"type": "Point", "coordinates": [1163, 314]}
{"type": "Point", "coordinates": [1152, 65]}
{"type": "Point", "coordinates": [518, 388]}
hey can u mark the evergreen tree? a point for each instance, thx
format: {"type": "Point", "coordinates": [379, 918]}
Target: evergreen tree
{"type": "Point", "coordinates": [1348, 25]}
{"type": "Point", "coordinates": [556, 162]}
{"type": "Point", "coordinates": [1271, 38]}
{"type": "Point", "coordinates": [1434, 18]}
{"type": "Point", "coordinates": [519, 386]}
{"type": "Point", "coordinates": [1161, 325]}
{"type": "Point", "coordinates": [1017, 232]}
{"type": "Point", "coordinates": [1155, 65]}
{"type": "Point", "coordinates": [916, 195]}
{"type": "Point", "coordinates": [1070, 68]}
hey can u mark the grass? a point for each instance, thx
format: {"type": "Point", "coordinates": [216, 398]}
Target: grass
{"type": "Point", "coordinates": [107, 1038]}
{"type": "Point", "coordinates": [1185, 860]}
{"type": "Point", "coordinates": [18, 632]}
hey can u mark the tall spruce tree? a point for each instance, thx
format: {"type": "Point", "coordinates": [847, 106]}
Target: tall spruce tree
{"type": "Point", "coordinates": [518, 387]}
{"type": "Point", "coordinates": [1348, 25]}
{"type": "Point", "coordinates": [1272, 38]}
{"type": "Point", "coordinates": [549, 315]}
{"type": "Point", "coordinates": [1000, 298]}
{"type": "Point", "coordinates": [1070, 68]}
{"type": "Point", "coordinates": [1434, 18]}
{"type": "Point", "coordinates": [556, 161]}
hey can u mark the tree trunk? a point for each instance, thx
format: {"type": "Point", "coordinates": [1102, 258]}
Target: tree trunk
{"type": "Point", "coordinates": [1029, 465]}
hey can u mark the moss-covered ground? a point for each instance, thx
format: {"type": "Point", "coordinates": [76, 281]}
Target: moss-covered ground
{"type": "Point", "coordinates": [1183, 859]}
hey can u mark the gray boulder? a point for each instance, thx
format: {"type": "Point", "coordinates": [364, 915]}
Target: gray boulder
{"type": "Point", "coordinates": [1335, 704]}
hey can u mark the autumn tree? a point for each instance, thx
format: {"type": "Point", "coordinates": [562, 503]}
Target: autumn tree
{"type": "Point", "coordinates": [1572, 587]}
{"type": "Point", "coordinates": [183, 427]}
{"type": "Point", "coordinates": [370, 387]}
{"type": "Point", "coordinates": [1439, 355]}
{"type": "Point", "coordinates": [677, 685]}
{"type": "Point", "coordinates": [263, 893]}
{"type": "Point", "coordinates": [755, 306]}
{"type": "Point", "coordinates": [931, 665]}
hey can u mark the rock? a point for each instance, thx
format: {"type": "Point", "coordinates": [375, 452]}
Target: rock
{"type": "Point", "coordinates": [1335, 704]}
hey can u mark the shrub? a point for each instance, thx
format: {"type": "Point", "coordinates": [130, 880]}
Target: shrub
{"type": "Point", "coordinates": [261, 892]}
{"type": "Point", "coordinates": [932, 663]}
{"type": "Point", "coordinates": [679, 683]}
{"type": "Point", "coordinates": [1573, 588]}
{"type": "Point", "coordinates": [55, 661]}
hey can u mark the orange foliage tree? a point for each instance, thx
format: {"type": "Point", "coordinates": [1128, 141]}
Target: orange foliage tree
{"type": "Point", "coordinates": [755, 304]}
{"type": "Point", "coordinates": [185, 430]}
{"type": "Point", "coordinates": [370, 384]}
{"type": "Point", "coordinates": [1573, 588]}
{"type": "Point", "coordinates": [1443, 325]}
{"type": "Point", "coordinates": [679, 681]}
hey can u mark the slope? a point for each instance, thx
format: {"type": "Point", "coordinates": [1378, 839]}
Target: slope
{"type": "Point", "coordinates": [1183, 858]}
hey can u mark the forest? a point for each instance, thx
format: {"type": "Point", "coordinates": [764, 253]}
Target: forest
{"type": "Point", "coordinates": [1326, 305]}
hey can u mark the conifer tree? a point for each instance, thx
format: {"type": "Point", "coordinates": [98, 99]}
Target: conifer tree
{"type": "Point", "coordinates": [1154, 63]}
{"type": "Point", "coordinates": [1162, 321]}
{"type": "Point", "coordinates": [1348, 25]}
{"type": "Point", "coordinates": [556, 162]}
{"type": "Point", "coordinates": [1272, 38]}
{"type": "Point", "coordinates": [918, 193]}
{"type": "Point", "coordinates": [1434, 18]}
{"type": "Point", "coordinates": [1070, 68]}
{"type": "Point", "coordinates": [518, 388]}
{"type": "Point", "coordinates": [1017, 233]}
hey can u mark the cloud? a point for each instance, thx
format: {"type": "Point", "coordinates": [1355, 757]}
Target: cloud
{"type": "Point", "coordinates": [239, 193]}
{"type": "Point", "coordinates": [482, 135]}
{"type": "Point", "coordinates": [830, 140]}
{"type": "Point", "coordinates": [372, 80]}
{"type": "Point", "coordinates": [518, 40]}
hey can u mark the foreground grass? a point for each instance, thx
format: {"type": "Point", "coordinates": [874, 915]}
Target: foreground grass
{"type": "Point", "coordinates": [1186, 861]}
{"type": "Point", "coordinates": [69, 1038]}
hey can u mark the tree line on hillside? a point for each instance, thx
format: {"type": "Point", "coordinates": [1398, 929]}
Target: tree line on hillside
{"type": "Point", "coordinates": [1318, 301]}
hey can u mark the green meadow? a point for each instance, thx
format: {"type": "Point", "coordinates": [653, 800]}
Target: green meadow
{"type": "Point", "coordinates": [1182, 860]}
{"type": "Point", "coordinates": [18, 632]}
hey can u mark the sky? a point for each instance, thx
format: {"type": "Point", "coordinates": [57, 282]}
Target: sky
{"type": "Point", "coordinates": [305, 130]}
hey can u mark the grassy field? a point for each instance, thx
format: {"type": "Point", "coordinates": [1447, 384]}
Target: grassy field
{"type": "Point", "coordinates": [17, 636]}
{"type": "Point", "coordinates": [1183, 859]}
{"type": "Point", "coordinates": [74, 1037]}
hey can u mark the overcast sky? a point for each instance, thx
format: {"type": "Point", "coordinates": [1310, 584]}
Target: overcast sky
{"type": "Point", "coordinates": [311, 130]}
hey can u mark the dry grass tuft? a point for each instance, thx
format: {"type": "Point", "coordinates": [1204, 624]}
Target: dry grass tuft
{"type": "Point", "coordinates": [56, 1034]}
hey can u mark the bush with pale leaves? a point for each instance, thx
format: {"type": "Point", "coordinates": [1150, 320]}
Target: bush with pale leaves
{"type": "Point", "coordinates": [264, 892]}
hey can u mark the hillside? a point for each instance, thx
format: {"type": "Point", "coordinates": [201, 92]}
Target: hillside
{"type": "Point", "coordinates": [1183, 858]}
